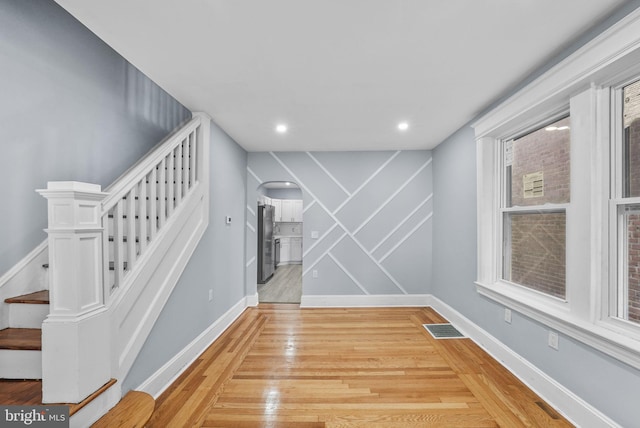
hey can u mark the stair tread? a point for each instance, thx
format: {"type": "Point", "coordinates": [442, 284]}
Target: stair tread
{"type": "Point", "coordinates": [26, 339]}
{"type": "Point", "coordinates": [39, 298]}
{"type": "Point", "coordinates": [29, 393]}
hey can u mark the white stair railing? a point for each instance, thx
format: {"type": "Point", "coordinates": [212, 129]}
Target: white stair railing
{"type": "Point", "coordinates": [141, 201]}
{"type": "Point", "coordinates": [114, 258]}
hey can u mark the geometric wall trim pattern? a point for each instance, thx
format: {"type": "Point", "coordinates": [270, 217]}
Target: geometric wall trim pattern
{"type": "Point", "coordinates": [371, 212]}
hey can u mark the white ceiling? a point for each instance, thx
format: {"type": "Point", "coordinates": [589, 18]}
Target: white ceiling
{"type": "Point", "coordinates": [340, 73]}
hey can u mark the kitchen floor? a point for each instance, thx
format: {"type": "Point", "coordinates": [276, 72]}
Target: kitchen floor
{"type": "Point", "coordinates": [284, 287]}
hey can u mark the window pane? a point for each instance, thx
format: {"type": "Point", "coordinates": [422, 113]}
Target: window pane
{"type": "Point", "coordinates": [631, 162]}
{"type": "Point", "coordinates": [534, 251]}
{"type": "Point", "coordinates": [537, 166]}
{"type": "Point", "coordinates": [631, 308]}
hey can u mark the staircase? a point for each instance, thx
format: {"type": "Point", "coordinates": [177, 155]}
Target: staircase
{"type": "Point", "coordinates": [21, 342]}
{"type": "Point", "coordinates": [113, 260]}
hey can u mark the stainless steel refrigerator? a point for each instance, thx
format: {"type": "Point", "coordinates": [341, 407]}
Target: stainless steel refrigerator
{"type": "Point", "coordinates": [265, 243]}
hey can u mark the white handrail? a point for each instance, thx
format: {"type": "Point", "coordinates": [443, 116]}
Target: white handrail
{"type": "Point", "coordinates": [121, 186]}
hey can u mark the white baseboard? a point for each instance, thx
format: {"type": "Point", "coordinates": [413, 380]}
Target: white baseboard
{"type": "Point", "coordinates": [351, 301]}
{"type": "Point", "coordinates": [252, 300]}
{"type": "Point", "coordinates": [168, 373]}
{"type": "Point", "coordinates": [572, 407]}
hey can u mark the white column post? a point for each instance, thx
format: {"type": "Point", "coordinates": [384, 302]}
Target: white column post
{"type": "Point", "coordinates": [75, 335]}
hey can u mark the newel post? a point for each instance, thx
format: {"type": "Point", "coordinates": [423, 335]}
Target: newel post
{"type": "Point", "coordinates": [75, 335]}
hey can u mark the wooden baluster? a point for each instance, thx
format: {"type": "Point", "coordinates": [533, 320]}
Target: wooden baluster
{"type": "Point", "coordinates": [143, 221]}
{"type": "Point", "coordinates": [170, 185]}
{"type": "Point", "coordinates": [162, 196]}
{"type": "Point", "coordinates": [178, 174]}
{"type": "Point", "coordinates": [153, 203]}
{"type": "Point", "coordinates": [118, 242]}
{"type": "Point", "coordinates": [130, 229]}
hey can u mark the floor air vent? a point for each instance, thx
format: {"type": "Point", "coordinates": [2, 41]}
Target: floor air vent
{"type": "Point", "coordinates": [443, 331]}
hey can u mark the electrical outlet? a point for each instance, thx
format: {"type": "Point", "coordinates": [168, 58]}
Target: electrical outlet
{"type": "Point", "coordinates": [315, 273]}
{"type": "Point", "coordinates": [507, 315]}
{"type": "Point", "coordinates": [210, 294]}
{"type": "Point", "coordinates": [553, 340]}
{"type": "Point", "coordinates": [314, 234]}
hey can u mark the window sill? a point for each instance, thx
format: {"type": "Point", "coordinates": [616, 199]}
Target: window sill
{"type": "Point", "coordinates": [603, 336]}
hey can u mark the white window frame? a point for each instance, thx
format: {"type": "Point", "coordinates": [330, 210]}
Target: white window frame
{"type": "Point", "coordinates": [583, 85]}
{"type": "Point", "coordinates": [614, 301]}
{"type": "Point", "coordinates": [524, 291]}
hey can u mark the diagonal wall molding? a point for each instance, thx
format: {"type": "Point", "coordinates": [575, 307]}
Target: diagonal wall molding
{"type": "Point", "coordinates": [404, 220]}
{"type": "Point", "coordinates": [366, 182]}
{"type": "Point", "coordinates": [378, 222]}
{"type": "Point", "coordinates": [336, 220]}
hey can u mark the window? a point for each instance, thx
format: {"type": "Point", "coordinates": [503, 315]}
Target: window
{"type": "Point", "coordinates": [535, 193]}
{"type": "Point", "coordinates": [558, 170]}
{"type": "Point", "coordinates": [626, 304]}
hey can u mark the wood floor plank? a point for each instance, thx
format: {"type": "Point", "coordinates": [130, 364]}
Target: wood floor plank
{"type": "Point", "coordinates": [133, 411]}
{"type": "Point", "coordinates": [279, 365]}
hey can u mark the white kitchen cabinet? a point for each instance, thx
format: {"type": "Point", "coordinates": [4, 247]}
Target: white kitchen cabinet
{"type": "Point", "coordinates": [277, 215]}
{"type": "Point", "coordinates": [296, 250]}
{"type": "Point", "coordinates": [290, 250]}
{"type": "Point", "coordinates": [285, 250]}
{"type": "Point", "coordinates": [291, 210]}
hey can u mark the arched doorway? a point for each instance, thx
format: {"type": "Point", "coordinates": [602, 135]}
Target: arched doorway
{"type": "Point", "coordinates": [280, 226]}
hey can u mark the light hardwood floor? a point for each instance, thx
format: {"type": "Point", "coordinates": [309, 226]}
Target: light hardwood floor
{"type": "Point", "coordinates": [284, 287]}
{"type": "Point", "coordinates": [282, 366]}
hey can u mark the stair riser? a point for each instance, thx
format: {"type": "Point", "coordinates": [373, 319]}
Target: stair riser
{"type": "Point", "coordinates": [24, 315]}
{"type": "Point", "coordinates": [18, 364]}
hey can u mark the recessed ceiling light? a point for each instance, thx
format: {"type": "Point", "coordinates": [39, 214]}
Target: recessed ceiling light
{"type": "Point", "coordinates": [562, 128]}
{"type": "Point", "coordinates": [551, 128]}
{"type": "Point", "coordinates": [281, 128]}
{"type": "Point", "coordinates": [403, 126]}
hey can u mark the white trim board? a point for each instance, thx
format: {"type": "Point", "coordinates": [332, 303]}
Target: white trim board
{"type": "Point", "coordinates": [159, 381]}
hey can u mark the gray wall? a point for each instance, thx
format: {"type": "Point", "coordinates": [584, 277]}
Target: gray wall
{"type": "Point", "coordinates": [71, 109]}
{"type": "Point", "coordinates": [356, 193]}
{"type": "Point", "coordinates": [217, 264]}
